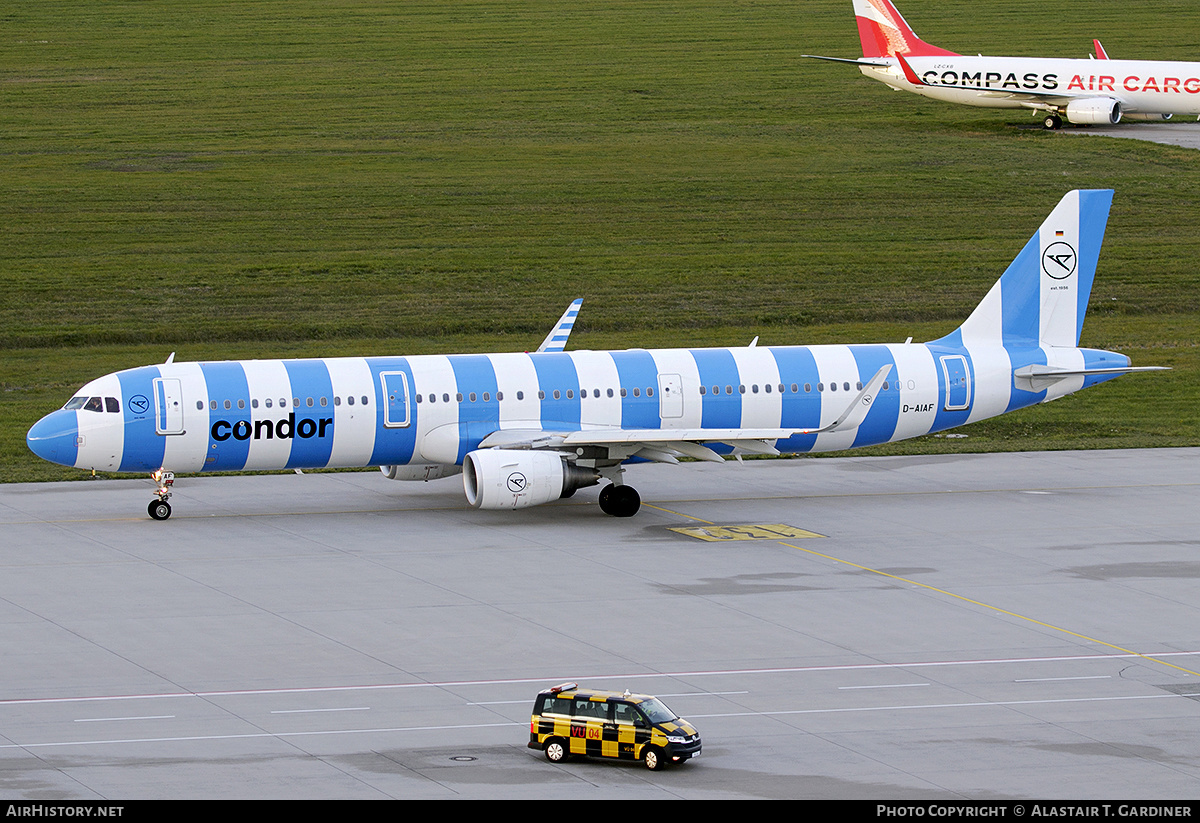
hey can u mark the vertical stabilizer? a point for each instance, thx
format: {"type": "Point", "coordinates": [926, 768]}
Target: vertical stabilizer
{"type": "Point", "coordinates": [1042, 296]}
{"type": "Point", "coordinates": [884, 33]}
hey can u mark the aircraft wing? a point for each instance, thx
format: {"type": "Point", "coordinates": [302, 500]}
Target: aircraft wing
{"type": "Point", "coordinates": [664, 445]}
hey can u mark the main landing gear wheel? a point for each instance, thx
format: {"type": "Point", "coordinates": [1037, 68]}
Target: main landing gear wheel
{"type": "Point", "coordinates": [1052, 122]}
{"type": "Point", "coordinates": [159, 509]}
{"type": "Point", "coordinates": [620, 501]}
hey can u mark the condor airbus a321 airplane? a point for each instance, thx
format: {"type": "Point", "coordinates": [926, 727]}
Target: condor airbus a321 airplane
{"type": "Point", "coordinates": [1085, 92]}
{"type": "Point", "coordinates": [526, 429]}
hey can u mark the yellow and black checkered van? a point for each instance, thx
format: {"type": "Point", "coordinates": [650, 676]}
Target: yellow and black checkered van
{"type": "Point", "coordinates": [568, 720]}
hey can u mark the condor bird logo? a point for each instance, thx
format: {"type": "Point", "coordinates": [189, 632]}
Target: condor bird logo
{"type": "Point", "coordinates": [516, 483]}
{"type": "Point", "coordinates": [1058, 260]}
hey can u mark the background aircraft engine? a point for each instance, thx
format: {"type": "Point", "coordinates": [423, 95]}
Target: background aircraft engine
{"type": "Point", "coordinates": [514, 479]}
{"type": "Point", "coordinates": [1149, 116]}
{"type": "Point", "coordinates": [1095, 111]}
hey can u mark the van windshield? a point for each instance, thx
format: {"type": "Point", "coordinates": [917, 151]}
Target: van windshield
{"type": "Point", "coordinates": [656, 711]}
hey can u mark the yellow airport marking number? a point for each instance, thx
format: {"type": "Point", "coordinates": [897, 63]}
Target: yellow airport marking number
{"type": "Point", "coordinates": [772, 531]}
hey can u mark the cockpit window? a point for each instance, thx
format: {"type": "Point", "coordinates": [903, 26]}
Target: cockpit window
{"type": "Point", "coordinates": [94, 404]}
{"type": "Point", "coordinates": [75, 403]}
{"type": "Point", "coordinates": [112, 404]}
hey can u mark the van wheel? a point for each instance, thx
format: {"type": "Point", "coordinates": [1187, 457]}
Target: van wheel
{"type": "Point", "coordinates": [556, 750]}
{"type": "Point", "coordinates": [654, 759]}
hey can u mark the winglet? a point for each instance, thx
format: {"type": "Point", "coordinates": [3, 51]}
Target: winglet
{"type": "Point", "coordinates": [556, 340]}
{"type": "Point", "coordinates": [856, 412]}
{"type": "Point", "coordinates": [1101, 54]}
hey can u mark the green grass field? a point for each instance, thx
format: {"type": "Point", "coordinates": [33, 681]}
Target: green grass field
{"type": "Point", "coordinates": [315, 178]}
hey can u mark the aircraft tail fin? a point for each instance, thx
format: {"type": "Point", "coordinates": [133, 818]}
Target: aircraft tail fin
{"type": "Point", "coordinates": [1042, 297]}
{"type": "Point", "coordinates": [884, 33]}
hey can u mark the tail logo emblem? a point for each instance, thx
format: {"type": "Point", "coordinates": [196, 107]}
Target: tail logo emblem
{"type": "Point", "coordinates": [1058, 260]}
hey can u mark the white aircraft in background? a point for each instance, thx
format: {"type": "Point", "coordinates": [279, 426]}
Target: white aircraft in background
{"type": "Point", "coordinates": [526, 429]}
{"type": "Point", "coordinates": [1085, 92]}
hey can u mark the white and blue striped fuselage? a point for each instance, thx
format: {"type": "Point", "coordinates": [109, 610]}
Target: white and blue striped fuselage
{"type": "Point", "coordinates": [434, 409]}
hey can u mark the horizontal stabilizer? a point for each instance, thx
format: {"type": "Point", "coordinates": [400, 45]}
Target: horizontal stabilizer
{"type": "Point", "coordinates": [861, 61]}
{"type": "Point", "coordinates": [1035, 378]}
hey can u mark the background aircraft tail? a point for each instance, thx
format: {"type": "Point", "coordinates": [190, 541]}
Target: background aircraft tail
{"type": "Point", "coordinates": [885, 34]}
{"type": "Point", "coordinates": [1041, 298]}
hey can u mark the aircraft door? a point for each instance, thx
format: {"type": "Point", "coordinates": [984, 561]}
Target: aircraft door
{"type": "Point", "coordinates": [168, 405]}
{"type": "Point", "coordinates": [670, 396]}
{"type": "Point", "coordinates": [958, 382]}
{"type": "Point", "coordinates": [395, 398]}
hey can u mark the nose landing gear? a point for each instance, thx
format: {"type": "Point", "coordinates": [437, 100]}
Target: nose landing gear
{"type": "Point", "coordinates": [160, 509]}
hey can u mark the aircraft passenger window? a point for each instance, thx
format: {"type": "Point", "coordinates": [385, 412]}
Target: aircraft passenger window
{"type": "Point", "coordinates": [833, 386]}
{"type": "Point", "coordinates": [254, 403]}
{"type": "Point", "coordinates": [432, 398]}
{"type": "Point", "coordinates": [570, 394]}
{"type": "Point", "coordinates": [337, 399]}
{"type": "Point", "coordinates": [742, 389]}
{"type": "Point", "coordinates": [241, 404]}
{"type": "Point", "coordinates": [649, 392]}
{"type": "Point", "coordinates": [541, 395]}
{"type": "Point", "coordinates": [637, 392]}
{"type": "Point", "coordinates": [199, 405]}
{"type": "Point", "coordinates": [228, 405]}
{"type": "Point", "coordinates": [846, 386]}
{"type": "Point", "coordinates": [624, 392]}
{"type": "Point", "coordinates": [885, 385]}
{"type": "Point", "coordinates": [487, 396]}
{"type": "Point", "coordinates": [820, 387]}
{"type": "Point", "coordinates": [729, 389]}
{"type": "Point", "coordinates": [295, 401]}
{"type": "Point", "coordinates": [349, 399]}
{"type": "Point", "coordinates": [308, 402]}
{"type": "Point", "coordinates": [520, 395]}
{"type": "Point", "coordinates": [458, 397]}
{"type": "Point", "coordinates": [781, 388]}
{"type": "Point", "coordinates": [859, 384]}
{"type": "Point", "coordinates": [595, 392]}
{"type": "Point", "coordinates": [419, 398]}
{"type": "Point", "coordinates": [282, 402]}
{"type": "Point", "coordinates": [754, 388]}
{"type": "Point", "coordinates": [768, 388]}
{"type": "Point", "coordinates": [610, 392]}
{"type": "Point", "coordinates": [445, 398]}
{"type": "Point", "coordinates": [364, 400]}
{"type": "Point", "coordinates": [499, 396]}
{"type": "Point", "coordinates": [324, 401]}
{"type": "Point", "coordinates": [472, 397]}
{"type": "Point", "coordinates": [807, 387]}
{"type": "Point", "coordinates": [111, 404]}
{"type": "Point", "coordinates": [556, 394]}
{"type": "Point", "coordinates": [702, 391]}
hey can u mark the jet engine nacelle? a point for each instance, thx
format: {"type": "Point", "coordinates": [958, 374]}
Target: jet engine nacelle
{"type": "Point", "coordinates": [515, 479]}
{"type": "Point", "coordinates": [1095, 111]}
{"type": "Point", "coordinates": [420, 471]}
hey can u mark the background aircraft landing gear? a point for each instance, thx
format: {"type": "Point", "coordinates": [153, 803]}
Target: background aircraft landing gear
{"type": "Point", "coordinates": [1052, 122]}
{"type": "Point", "coordinates": [620, 501]}
{"type": "Point", "coordinates": [160, 509]}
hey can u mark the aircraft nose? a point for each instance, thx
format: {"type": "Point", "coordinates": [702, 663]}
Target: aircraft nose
{"type": "Point", "coordinates": [55, 438]}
